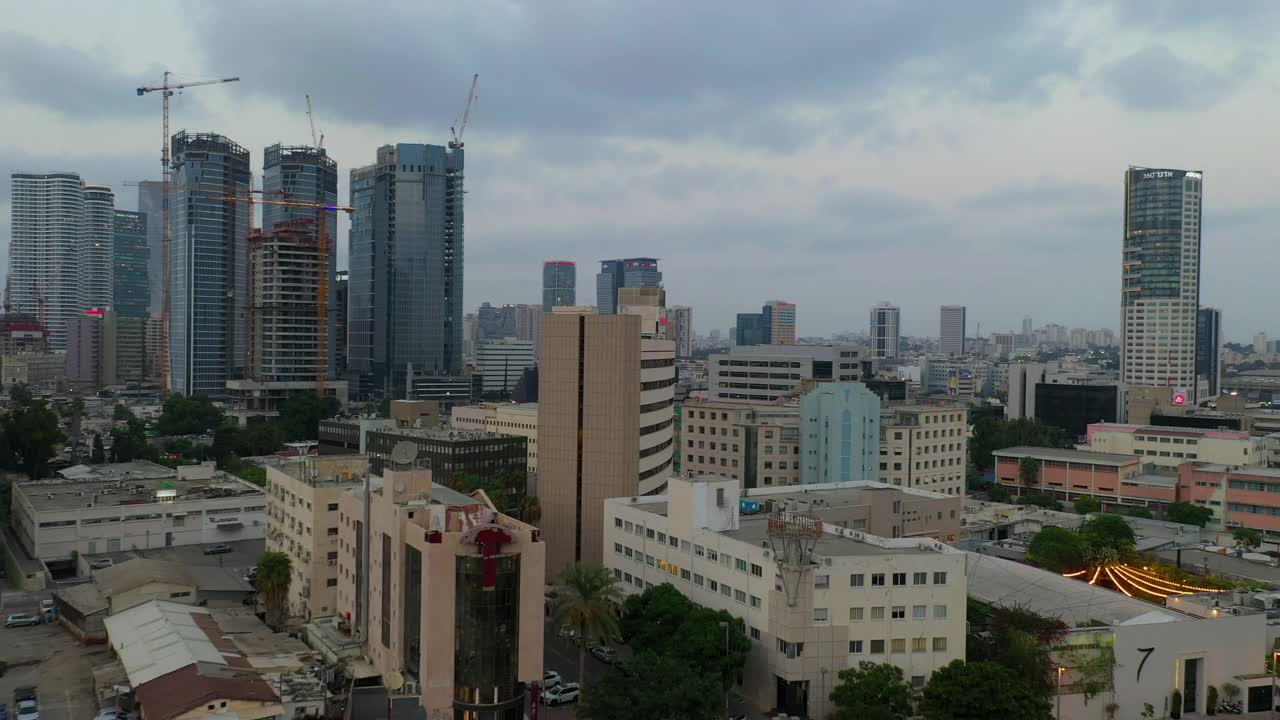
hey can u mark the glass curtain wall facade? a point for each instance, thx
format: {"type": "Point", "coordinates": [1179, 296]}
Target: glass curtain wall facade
{"type": "Point", "coordinates": [131, 265]}
{"type": "Point", "coordinates": [559, 284]}
{"type": "Point", "coordinates": [487, 640]}
{"type": "Point", "coordinates": [97, 235]}
{"type": "Point", "coordinates": [150, 204]}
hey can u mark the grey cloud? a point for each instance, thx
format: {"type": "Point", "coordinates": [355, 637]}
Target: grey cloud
{"type": "Point", "coordinates": [1155, 79]}
{"type": "Point", "coordinates": [68, 80]}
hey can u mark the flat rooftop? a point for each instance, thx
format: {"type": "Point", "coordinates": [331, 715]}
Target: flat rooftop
{"type": "Point", "coordinates": [132, 483]}
{"type": "Point", "coordinates": [1239, 470]}
{"type": "Point", "coordinates": [1072, 456]}
{"type": "Point", "coordinates": [446, 435]}
{"type": "Point", "coordinates": [754, 530]}
{"type": "Point", "coordinates": [1166, 430]}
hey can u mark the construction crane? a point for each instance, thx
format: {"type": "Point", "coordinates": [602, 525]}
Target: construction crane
{"type": "Point", "coordinates": [311, 118]}
{"type": "Point", "coordinates": [459, 126]}
{"type": "Point", "coordinates": [166, 91]}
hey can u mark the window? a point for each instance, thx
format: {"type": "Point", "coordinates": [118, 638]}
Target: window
{"type": "Point", "coordinates": [919, 612]}
{"type": "Point", "coordinates": [917, 681]}
{"type": "Point", "coordinates": [712, 585]}
{"type": "Point", "coordinates": [711, 555]}
{"type": "Point", "coordinates": [740, 596]}
{"type": "Point", "coordinates": [331, 582]}
{"type": "Point", "coordinates": [898, 645]}
{"type": "Point", "coordinates": [755, 634]}
{"type": "Point", "coordinates": [877, 612]}
{"type": "Point", "coordinates": [725, 590]}
{"type": "Point", "coordinates": [755, 602]}
{"type": "Point", "coordinates": [855, 614]}
{"type": "Point", "coordinates": [333, 507]}
{"type": "Point", "coordinates": [877, 580]}
{"type": "Point", "coordinates": [820, 615]}
{"type": "Point", "coordinates": [855, 647]}
{"type": "Point", "coordinates": [185, 593]}
{"type": "Point", "coordinates": [740, 565]}
{"type": "Point", "coordinates": [877, 647]}
{"type": "Point", "coordinates": [617, 548]}
{"type": "Point", "coordinates": [684, 575]}
{"type": "Point", "coordinates": [920, 578]}
{"type": "Point", "coordinates": [939, 644]}
{"type": "Point", "coordinates": [899, 612]}
{"type": "Point", "coordinates": [662, 537]}
{"type": "Point", "coordinates": [726, 560]}
{"type": "Point", "coordinates": [648, 560]}
{"type": "Point", "coordinates": [790, 649]}
{"type": "Point", "coordinates": [697, 580]}
{"type": "Point", "coordinates": [697, 550]}
{"type": "Point", "coordinates": [628, 526]}
{"type": "Point", "coordinates": [940, 578]}
{"type": "Point", "coordinates": [939, 612]}
{"type": "Point", "coordinates": [856, 580]}
{"type": "Point", "coordinates": [899, 579]}
{"type": "Point", "coordinates": [757, 570]}
{"type": "Point", "coordinates": [822, 582]}
{"type": "Point", "coordinates": [673, 541]}
{"type": "Point", "coordinates": [627, 551]}
{"type": "Point", "coordinates": [919, 644]}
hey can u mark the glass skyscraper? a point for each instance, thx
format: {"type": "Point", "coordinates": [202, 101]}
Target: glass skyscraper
{"type": "Point", "coordinates": [559, 284]}
{"type": "Point", "coordinates": [406, 268]}
{"type": "Point", "coordinates": [627, 272]}
{"type": "Point", "coordinates": [150, 204]}
{"type": "Point", "coordinates": [207, 263]}
{"type": "Point", "coordinates": [131, 258]}
{"type": "Point", "coordinates": [1208, 351]}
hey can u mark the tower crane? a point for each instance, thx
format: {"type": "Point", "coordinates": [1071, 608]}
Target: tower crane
{"type": "Point", "coordinates": [459, 126]}
{"type": "Point", "coordinates": [311, 118]}
{"type": "Point", "coordinates": [166, 90]}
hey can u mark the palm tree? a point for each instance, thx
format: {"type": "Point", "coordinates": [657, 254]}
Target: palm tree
{"type": "Point", "coordinates": [531, 509]}
{"type": "Point", "coordinates": [587, 599]}
{"type": "Point", "coordinates": [1028, 471]}
{"type": "Point", "coordinates": [275, 570]}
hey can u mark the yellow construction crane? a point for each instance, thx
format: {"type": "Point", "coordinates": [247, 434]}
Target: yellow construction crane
{"type": "Point", "coordinates": [461, 125]}
{"type": "Point", "coordinates": [166, 91]}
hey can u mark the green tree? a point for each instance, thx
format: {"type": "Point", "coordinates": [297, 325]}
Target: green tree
{"type": "Point", "coordinates": [1136, 511]}
{"type": "Point", "coordinates": [1106, 531]}
{"type": "Point", "coordinates": [1040, 499]}
{"type": "Point", "coordinates": [664, 621]}
{"type": "Point", "coordinates": [1247, 537]}
{"type": "Point", "coordinates": [275, 571]}
{"type": "Point", "coordinates": [99, 454]}
{"type": "Point", "coordinates": [1028, 471]}
{"type": "Point", "coordinates": [871, 691]}
{"type": "Point", "coordinates": [259, 437]}
{"type": "Point", "coordinates": [31, 434]}
{"type": "Point", "coordinates": [121, 413]}
{"type": "Point", "coordinates": [129, 442]}
{"type": "Point", "coordinates": [1188, 514]}
{"type": "Point", "coordinates": [587, 598]}
{"type": "Point", "coordinates": [1057, 549]}
{"type": "Point", "coordinates": [980, 691]}
{"type": "Point", "coordinates": [300, 415]}
{"type": "Point", "coordinates": [649, 619]}
{"type": "Point", "coordinates": [998, 493]}
{"type": "Point", "coordinates": [1086, 505]}
{"type": "Point", "coordinates": [650, 686]}
{"type": "Point", "coordinates": [531, 509]}
{"type": "Point", "coordinates": [184, 415]}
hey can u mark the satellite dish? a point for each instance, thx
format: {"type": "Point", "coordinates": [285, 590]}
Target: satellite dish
{"type": "Point", "coordinates": [393, 680]}
{"type": "Point", "coordinates": [404, 453]}
{"type": "Point", "coordinates": [399, 488]}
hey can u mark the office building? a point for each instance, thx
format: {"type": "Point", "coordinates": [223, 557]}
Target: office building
{"type": "Point", "coordinates": [757, 444]}
{"type": "Point", "coordinates": [495, 321]}
{"type": "Point", "coordinates": [765, 373]}
{"type": "Point", "coordinates": [302, 522]}
{"type": "Point", "coordinates": [528, 321]}
{"type": "Point", "coordinates": [839, 434]}
{"type": "Point", "coordinates": [924, 447]}
{"type": "Point", "coordinates": [91, 509]}
{"type": "Point", "coordinates": [1208, 352]}
{"type": "Point", "coordinates": [680, 329]}
{"type": "Point", "coordinates": [207, 263]}
{"type": "Point", "coordinates": [1172, 446]}
{"type": "Point", "coordinates": [1027, 330]}
{"type": "Point", "coordinates": [501, 363]}
{"type": "Point", "coordinates": [22, 333]}
{"type": "Point", "coordinates": [131, 258]}
{"type": "Point", "coordinates": [457, 458]}
{"type": "Point", "coordinates": [605, 416]}
{"type": "Point", "coordinates": [559, 284]}
{"type": "Point", "coordinates": [1160, 292]}
{"type": "Point", "coordinates": [751, 329]}
{"type": "Point", "coordinates": [406, 268]}
{"type": "Point", "coordinates": [885, 324]}
{"type": "Point", "coordinates": [810, 609]}
{"type": "Point", "coordinates": [1021, 385]}
{"type": "Point", "coordinates": [506, 418]}
{"type": "Point", "coordinates": [449, 390]}
{"type": "Point", "coordinates": [445, 591]}
{"type": "Point", "coordinates": [1004, 344]}
{"type": "Point", "coordinates": [105, 349]}
{"type": "Point", "coordinates": [782, 322]}
{"type": "Point", "coordinates": [151, 207]}
{"type": "Point", "coordinates": [1072, 408]}
{"type": "Point", "coordinates": [1069, 474]}
{"type": "Point", "coordinates": [341, 305]}
{"type": "Point", "coordinates": [61, 229]}
{"type": "Point", "coordinates": [951, 329]}
{"type": "Point", "coordinates": [617, 274]}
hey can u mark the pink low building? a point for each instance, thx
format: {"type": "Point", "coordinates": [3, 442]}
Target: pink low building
{"type": "Point", "coordinates": [1112, 478]}
{"type": "Point", "coordinates": [1239, 496]}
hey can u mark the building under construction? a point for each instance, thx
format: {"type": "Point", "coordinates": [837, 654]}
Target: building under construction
{"type": "Point", "coordinates": [284, 352]}
{"type": "Point", "coordinates": [22, 333]}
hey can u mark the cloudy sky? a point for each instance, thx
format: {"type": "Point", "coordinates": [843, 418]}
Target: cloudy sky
{"type": "Point", "coordinates": [831, 154]}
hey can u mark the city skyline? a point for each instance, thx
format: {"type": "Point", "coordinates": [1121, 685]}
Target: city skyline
{"type": "Point", "coordinates": [1042, 136]}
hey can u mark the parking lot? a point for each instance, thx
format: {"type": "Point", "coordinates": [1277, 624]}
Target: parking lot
{"type": "Point", "coordinates": [244, 554]}
{"type": "Point", "coordinates": [47, 658]}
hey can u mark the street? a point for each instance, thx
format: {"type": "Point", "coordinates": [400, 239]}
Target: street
{"type": "Point", "coordinates": [47, 658]}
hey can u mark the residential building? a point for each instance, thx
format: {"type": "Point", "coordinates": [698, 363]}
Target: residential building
{"type": "Point", "coordinates": [839, 434]}
{"type": "Point", "coordinates": [1072, 408]}
{"type": "Point", "coordinates": [105, 349]}
{"type": "Point", "coordinates": [782, 322]}
{"type": "Point", "coordinates": [752, 329]}
{"type": "Point", "coordinates": [406, 268]}
{"type": "Point", "coordinates": [605, 416]}
{"type": "Point", "coordinates": [559, 284]}
{"type": "Point", "coordinates": [1160, 289]}
{"type": "Point", "coordinates": [680, 318]}
{"type": "Point", "coordinates": [885, 327]}
{"type": "Point", "coordinates": [1260, 343]}
{"type": "Point", "coordinates": [1172, 446]}
{"type": "Point", "coordinates": [207, 263]}
{"type": "Point", "coordinates": [302, 522]}
{"type": "Point", "coordinates": [1117, 479]}
{"type": "Point", "coordinates": [528, 320]}
{"type": "Point", "coordinates": [924, 447]}
{"type": "Point", "coordinates": [285, 348]}
{"type": "Point", "coordinates": [757, 444]}
{"type": "Point", "coordinates": [460, 458]}
{"type": "Point", "coordinates": [151, 207]}
{"type": "Point", "coordinates": [1238, 496]}
{"type": "Point", "coordinates": [454, 594]}
{"type": "Point", "coordinates": [1208, 352]}
{"type": "Point", "coordinates": [90, 509]}
{"type": "Point", "coordinates": [951, 329]}
{"type": "Point", "coordinates": [765, 373]}
{"type": "Point", "coordinates": [60, 230]}
{"type": "Point", "coordinates": [1004, 344]}
{"type": "Point", "coordinates": [503, 418]}
{"type": "Point", "coordinates": [501, 362]}
{"type": "Point", "coordinates": [131, 258]}
{"type": "Point", "coordinates": [627, 272]}
{"type": "Point", "coordinates": [841, 597]}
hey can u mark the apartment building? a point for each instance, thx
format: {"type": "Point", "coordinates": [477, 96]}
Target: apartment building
{"type": "Point", "coordinates": [839, 433]}
{"type": "Point", "coordinates": [765, 373]}
{"type": "Point", "coordinates": [1239, 496]}
{"type": "Point", "coordinates": [302, 522]}
{"type": "Point", "coordinates": [758, 445]}
{"type": "Point", "coordinates": [1172, 446]}
{"type": "Point", "coordinates": [505, 418]}
{"type": "Point", "coordinates": [453, 596]}
{"type": "Point", "coordinates": [924, 447]}
{"type": "Point", "coordinates": [851, 596]}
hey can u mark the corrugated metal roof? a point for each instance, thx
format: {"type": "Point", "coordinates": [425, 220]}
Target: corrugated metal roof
{"type": "Point", "coordinates": [158, 637]}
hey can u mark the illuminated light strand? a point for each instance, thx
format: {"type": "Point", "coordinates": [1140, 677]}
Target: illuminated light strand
{"type": "Point", "coordinates": [1149, 576]}
{"type": "Point", "coordinates": [1136, 587]}
{"type": "Point", "coordinates": [1075, 574]}
{"type": "Point", "coordinates": [1116, 583]}
{"type": "Point", "coordinates": [1139, 583]}
{"type": "Point", "coordinates": [1096, 571]}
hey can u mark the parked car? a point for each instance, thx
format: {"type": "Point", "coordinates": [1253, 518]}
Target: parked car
{"type": "Point", "coordinates": [101, 564]}
{"type": "Point", "coordinates": [605, 654]}
{"type": "Point", "coordinates": [560, 694]}
{"type": "Point", "coordinates": [23, 693]}
{"type": "Point", "coordinates": [46, 605]}
{"type": "Point", "coordinates": [568, 633]}
{"type": "Point", "coordinates": [28, 710]}
{"type": "Point", "coordinates": [550, 679]}
{"type": "Point", "coordinates": [21, 619]}
{"type": "Point", "coordinates": [219, 549]}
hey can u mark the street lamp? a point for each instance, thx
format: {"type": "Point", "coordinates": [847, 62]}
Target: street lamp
{"type": "Point", "coordinates": [1061, 670]}
{"type": "Point", "coordinates": [725, 625]}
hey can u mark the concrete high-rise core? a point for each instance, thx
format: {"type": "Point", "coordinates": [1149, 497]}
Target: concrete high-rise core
{"type": "Point", "coordinates": [885, 324]}
{"type": "Point", "coordinates": [951, 329]}
{"type": "Point", "coordinates": [680, 318]}
{"type": "Point", "coordinates": [559, 284]}
{"type": "Point", "coordinates": [627, 272]}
